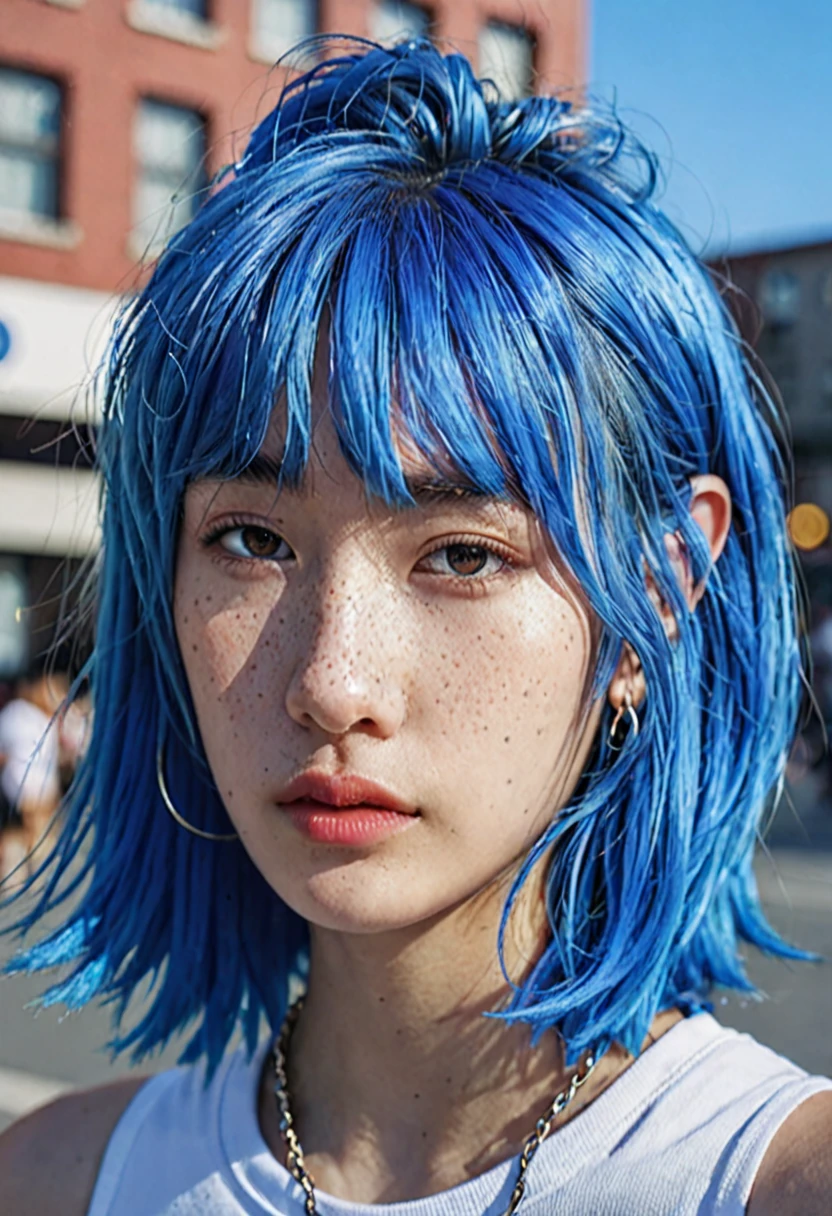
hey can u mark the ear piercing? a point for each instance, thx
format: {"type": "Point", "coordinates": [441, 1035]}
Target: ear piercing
{"type": "Point", "coordinates": [617, 737]}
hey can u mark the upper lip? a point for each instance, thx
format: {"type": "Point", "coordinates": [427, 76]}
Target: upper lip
{"type": "Point", "coordinates": [342, 790]}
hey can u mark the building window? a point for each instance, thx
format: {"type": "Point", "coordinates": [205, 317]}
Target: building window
{"type": "Point", "coordinates": [826, 290]}
{"type": "Point", "coordinates": [30, 121]}
{"type": "Point", "coordinates": [506, 56]}
{"type": "Point", "coordinates": [278, 25]}
{"type": "Point", "coordinates": [186, 21]}
{"type": "Point", "coordinates": [391, 20]}
{"type": "Point", "coordinates": [196, 10]}
{"type": "Point", "coordinates": [779, 298]}
{"type": "Point", "coordinates": [170, 154]}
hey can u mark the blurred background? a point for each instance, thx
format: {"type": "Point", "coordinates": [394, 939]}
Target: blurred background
{"type": "Point", "coordinates": [115, 115]}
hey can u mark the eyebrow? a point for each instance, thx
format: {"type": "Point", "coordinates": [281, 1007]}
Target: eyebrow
{"type": "Point", "coordinates": [261, 470]}
{"type": "Point", "coordinates": [431, 490]}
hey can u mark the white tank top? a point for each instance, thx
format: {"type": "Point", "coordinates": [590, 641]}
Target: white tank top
{"type": "Point", "coordinates": [681, 1133]}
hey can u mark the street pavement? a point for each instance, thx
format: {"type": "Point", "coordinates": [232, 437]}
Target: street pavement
{"type": "Point", "coordinates": [43, 1054]}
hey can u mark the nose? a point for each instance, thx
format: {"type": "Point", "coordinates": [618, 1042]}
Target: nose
{"type": "Point", "coordinates": [349, 675]}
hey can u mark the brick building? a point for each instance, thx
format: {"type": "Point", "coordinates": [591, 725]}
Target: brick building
{"type": "Point", "coordinates": [112, 114]}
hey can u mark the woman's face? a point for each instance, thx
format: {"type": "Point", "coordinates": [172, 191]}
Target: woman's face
{"type": "Point", "coordinates": [423, 650]}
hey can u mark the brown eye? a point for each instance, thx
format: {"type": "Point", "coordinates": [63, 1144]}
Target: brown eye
{"type": "Point", "coordinates": [249, 541]}
{"type": "Point", "coordinates": [466, 559]}
{"type": "Point", "coordinates": [260, 542]}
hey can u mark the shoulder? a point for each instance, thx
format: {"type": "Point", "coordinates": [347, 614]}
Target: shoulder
{"type": "Point", "coordinates": [795, 1177]}
{"type": "Point", "coordinates": [50, 1159]}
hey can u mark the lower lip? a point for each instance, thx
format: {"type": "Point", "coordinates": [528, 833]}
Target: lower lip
{"type": "Point", "coordinates": [351, 826]}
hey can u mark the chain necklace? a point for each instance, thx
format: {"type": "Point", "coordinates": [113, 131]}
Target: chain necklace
{"type": "Point", "coordinates": [294, 1153]}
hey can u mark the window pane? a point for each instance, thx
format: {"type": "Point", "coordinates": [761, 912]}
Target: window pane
{"type": "Point", "coordinates": [191, 8]}
{"type": "Point", "coordinates": [280, 24]}
{"type": "Point", "coordinates": [780, 297]}
{"type": "Point", "coordinates": [28, 183]}
{"type": "Point", "coordinates": [506, 56]}
{"type": "Point", "coordinates": [30, 119]}
{"type": "Point", "coordinates": [30, 109]}
{"type": "Point", "coordinates": [169, 138]}
{"type": "Point", "coordinates": [170, 150]}
{"type": "Point", "coordinates": [391, 20]}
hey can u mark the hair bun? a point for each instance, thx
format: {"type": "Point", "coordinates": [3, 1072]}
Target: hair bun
{"type": "Point", "coordinates": [426, 104]}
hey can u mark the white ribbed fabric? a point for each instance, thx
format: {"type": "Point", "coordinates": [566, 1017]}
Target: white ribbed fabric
{"type": "Point", "coordinates": [681, 1133]}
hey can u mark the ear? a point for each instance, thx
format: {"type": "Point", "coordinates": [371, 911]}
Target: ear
{"type": "Point", "coordinates": [710, 507]}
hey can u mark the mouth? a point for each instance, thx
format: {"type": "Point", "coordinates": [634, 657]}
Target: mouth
{"type": "Point", "coordinates": [345, 809]}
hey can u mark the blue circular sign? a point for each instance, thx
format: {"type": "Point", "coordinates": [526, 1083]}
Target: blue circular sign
{"type": "Point", "coordinates": [5, 341]}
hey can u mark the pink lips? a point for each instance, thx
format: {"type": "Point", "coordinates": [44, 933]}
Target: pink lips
{"type": "Point", "coordinates": [345, 809]}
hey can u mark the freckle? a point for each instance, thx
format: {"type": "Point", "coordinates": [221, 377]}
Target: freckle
{"type": "Point", "coordinates": [194, 647]}
{"type": "Point", "coordinates": [208, 599]}
{"type": "Point", "coordinates": [381, 999]}
{"type": "Point", "coordinates": [236, 616]}
{"type": "Point", "coordinates": [260, 695]}
{"type": "Point", "coordinates": [416, 1095]}
{"type": "Point", "coordinates": [447, 1080]}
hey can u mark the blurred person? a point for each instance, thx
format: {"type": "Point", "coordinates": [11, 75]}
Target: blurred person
{"type": "Point", "coordinates": [30, 765]}
{"type": "Point", "coordinates": [447, 661]}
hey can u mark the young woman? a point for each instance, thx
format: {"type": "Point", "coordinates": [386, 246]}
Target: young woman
{"type": "Point", "coordinates": [447, 659]}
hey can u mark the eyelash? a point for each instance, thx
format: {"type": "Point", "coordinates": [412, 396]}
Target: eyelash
{"type": "Point", "coordinates": [212, 539]}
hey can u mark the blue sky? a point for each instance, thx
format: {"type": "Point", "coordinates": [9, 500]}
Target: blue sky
{"type": "Point", "coordinates": [736, 97]}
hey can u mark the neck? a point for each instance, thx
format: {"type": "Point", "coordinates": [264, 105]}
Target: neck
{"type": "Point", "coordinates": [415, 995]}
{"type": "Point", "coordinates": [393, 1069]}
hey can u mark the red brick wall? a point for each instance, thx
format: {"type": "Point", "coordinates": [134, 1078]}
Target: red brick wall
{"type": "Point", "coordinates": [105, 66]}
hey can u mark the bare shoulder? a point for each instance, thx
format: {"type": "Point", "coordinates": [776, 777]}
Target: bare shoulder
{"type": "Point", "coordinates": [50, 1159]}
{"type": "Point", "coordinates": [795, 1178]}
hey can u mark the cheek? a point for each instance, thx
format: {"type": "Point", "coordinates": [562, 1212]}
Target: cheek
{"type": "Point", "coordinates": [229, 651]}
{"type": "Point", "coordinates": [498, 711]}
{"type": "Point", "coordinates": [513, 675]}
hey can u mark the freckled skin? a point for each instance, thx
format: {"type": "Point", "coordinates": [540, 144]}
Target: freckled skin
{"type": "Point", "coordinates": [353, 649]}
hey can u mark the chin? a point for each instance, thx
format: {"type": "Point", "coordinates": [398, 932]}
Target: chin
{"type": "Point", "coordinates": [358, 896]}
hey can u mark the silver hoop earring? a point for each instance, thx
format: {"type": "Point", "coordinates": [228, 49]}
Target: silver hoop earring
{"type": "Point", "coordinates": [183, 823]}
{"type": "Point", "coordinates": [616, 743]}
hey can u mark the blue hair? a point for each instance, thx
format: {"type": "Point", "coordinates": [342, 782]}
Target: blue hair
{"type": "Point", "coordinates": [494, 278]}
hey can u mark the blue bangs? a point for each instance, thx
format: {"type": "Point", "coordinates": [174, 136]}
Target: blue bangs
{"type": "Point", "coordinates": [496, 288]}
